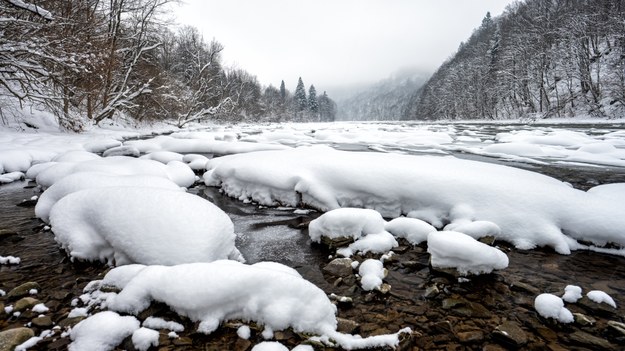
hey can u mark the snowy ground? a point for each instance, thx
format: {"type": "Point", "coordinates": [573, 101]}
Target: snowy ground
{"type": "Point", "coordinates": [105, 204]}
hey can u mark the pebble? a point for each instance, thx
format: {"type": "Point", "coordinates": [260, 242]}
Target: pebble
{"type": "Point", "coordinates": [42, 322]}
{"type": "Point", "coordinates": [25, 303]}
{"type": "Point", "coordinates": [592, 341]}
{"type": "Point", "coordinates": [9, 339]}
{"type": "Point", "coordinates": [23, 290]}
{"type": "Point", "coordinates": [510, 333]}
{"type": "Point", "coordinates": [339, 267]}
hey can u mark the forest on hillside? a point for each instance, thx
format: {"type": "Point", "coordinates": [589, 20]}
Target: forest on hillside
{"type": "Point", "coordinates": [89, 60]}
{"type": "Point", "coordinates": [540, 59]}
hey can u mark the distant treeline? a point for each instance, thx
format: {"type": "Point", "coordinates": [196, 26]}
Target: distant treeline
{"type": "Point", "coordinates": [541, 58]}
{"type": "Point", "coordinates": [91, 60]}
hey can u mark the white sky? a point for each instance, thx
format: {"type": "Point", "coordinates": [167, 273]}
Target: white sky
{"type": "Point", "coordinates": [334, 43]}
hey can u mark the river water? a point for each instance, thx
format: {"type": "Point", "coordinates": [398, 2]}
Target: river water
{"type": "Point", "coordinates": [280, 235]}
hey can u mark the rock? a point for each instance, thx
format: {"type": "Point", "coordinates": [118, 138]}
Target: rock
{"type": "Point", "coordinates": [282, 335]}
{"type": "Point", "coordinates": [443, 327]}
{"type": "Point", "coordinates": [451, 303]}
{"type": "Point", "coordinates": [488, 240]}
{"type": "Point", "coordinates": [617, 327]}
{"type": "Point", "coordinates": [42, 322]}
{"type": "Point", "coordinates": [584, 320]}
{"type": "Point", "coordinates": [591, 341]}
{"type": "Point", "coordinates": [70, 322]}
{"type": "Point", "coordinates": [182, 341]}
{"type": "Point", "coordinates": [336, 242]}
{"type": "Point", "coordinates": [242, 345]}
{"type": "Point", "coordinates": [9, 339]}
{"type": "Point", "coordinates": [510, 333]}
{"type": "Point", "coordinates": [23, 290]}
{"type": "Point", "coordinates": [347, 326]}
{"type": "Point", "coordinates": [431, 292]}
{"type": "Point", "coordinates": [60, 294]}
{"type": "Point", "coordinates": [339, 267]}
{"type": "Point", "coordinates": [470, 336]}
{"type": "Point", "coordinates": [384, 288]}
{"type": "Point", "coordinates": [599, 309]}
{"type": "Point", "coordinates": [24, 303]}
{"type": "Point", "coordinates": [523, 287]}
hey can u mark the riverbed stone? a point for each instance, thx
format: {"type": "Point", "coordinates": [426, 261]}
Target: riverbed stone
{"type": "Point", "coordinates": [472, 336]}
{"type": "Point", "coordinates": [617, 327]}
{"type": "Point", "coordinates": [42, 322]}
{"type": "Point", "coordinates": [583, 319]}
{"type": "Point", "coordinates": [598, 309]}
{"type": "Point", "coordinates": [510, 333]}
{"type": "Point", "coordinates": [339, 267]}
{"type": "Point", "coordinates": [23, 290]}
{"type": "Point", "coordinates": [24, 303]}
{"type": "Point", "coordinates": [9, 339]}
{"type": "Point", "coordinates": [346, 325]}
{"type": "Point", "coordinates": [431, 292]}
{"type": "Point", "coordinates": [589, 340]}
{"type": "Point", "coordinates": [524, 287]}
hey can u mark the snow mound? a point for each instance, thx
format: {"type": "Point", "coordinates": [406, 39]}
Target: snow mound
{"type": "Point", "coordinates": [144, 338]}
{"type": "Point", "coordinates": [475, 229]}
{"type": "Point", "coordinates": [465, 254]}
{"type": "Point", "coordinates": [122, 225]}
{"type": "Point", "coordinates": [371, 274]}
{"type": "Point", "coordinates": [102, 145]}
{"type": "Point", "coordinates": [599, 296]}
{"type": "Point", "coordinates": [414, 230]}
{"type": "Point", "coordinates": [269, 346]}
{"type": "Point", "coordinates": [9, 260]}
{"type": "Point", "coordinates": [381, 242]}
{"type": "Point", "coordinates": [117, 165]}
{"type": "Point", "coordinates": [346, 223]}
{"type": "Point", "coordinates": [572, 293]}
{"type": "Point", "coordinates": [75, 156]}
{"type": "Point", "coordinates": [213, 292]}
{"type": "Point", "coordinates": [199, 146]}
{"type": "Point", "coordinates": [102, 331]}
{"type": "Point", "coordinates": [530, 209]}
{"type": "Point", "coordinates": [11, 177]}
{"type": "Point", "coordinates": [159, 323]}
{"type": "Point", "coordinates": [551, 306]}
{"type": "Point", "coordinates": [88, 180]}
{"type": "Point", "coordinates": [163, 156]}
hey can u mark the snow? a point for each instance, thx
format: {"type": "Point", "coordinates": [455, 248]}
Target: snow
{"type": "Point", "coordinates": [551, 306]}
{"type": "Point", "coordinates": [599, 296]}
{"type": "Point", "coordinates": [346, 223]}
{"type": "Point", "coordinates": [87, 180]}
{"type": "Point", "coordinates": [528, 208]}
{"type": "Point", "coordinates": [122, 225]}
{"type": "Point", "coordinates": [163, 156]}
{"type": "Point", "coordinates": [572, 293]}
{"type": "Point", "coordinates": [78, 312]}
{"type": "Point", "coordinates": [9, 260]}
{"type": "Point", "coordinates": [102, 331]}
{"type": "Point", "coordinates": [11, 177]}
{"type": "Point", "coordinates": [40, 308]}
{"type": "Point", "coordinates": [414, 230]}
{"type": "Point", "coordinates": [196, 145]}
{"type": "Point", "coordinates": [378, 243]}
{"type": "Point", "coordinates": [159, 323]}
{"type": "Point", "coordinates": [244, 332]}
{"type": "Point", "coordinates": [210, 293]}
{"type": "Point", "coordinates": [465, 254]}
{"type": "Point", "coordinates": [371, 274]}
{"type": "Point", "coordinates": [144, 338]}
{"type": "Point", "coordinates": [269, 346]}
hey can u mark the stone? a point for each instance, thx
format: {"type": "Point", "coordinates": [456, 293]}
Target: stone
{"type": "Point", "coordinates": [347, 326]}
{"type": "Point", "coordinates": [443, 327]}
{"type": "Point", "coordinates": [599, 309]}
{"type": "Point", "coordinates": [242, 345]}
{"type": "Point", "coordinates": [9, 339]}
{"type": "Point", "coordinates": [488, 240]}
{"type": "Point", "coordinates": [431, 292]}
{"type": "Point", "coordinates": [25, 303]}
{"type": "Point", "coordinates": [23, 290]}
{"type": "Point", "coordinates": [583, 319]}
{"type": "Point", "coordinates": [336, 242]}
{"type": "Point", "coordinates": [384, 288]}
{"type": "Point", "coordinates": [450, 303]}
{"type": "Point", "coordinates": [473, 336]}
{"type": "Point", "coordinates": [618, 327]}
{"type": "Point", "coordinates": [182, 341]}
{"type": "Point", "coordinates": [523, 287]}
{"type": "Point", "coordinates": [60, 294]}
{"type": "Point", "coordinates": [510, 333]}
{"type": "Point", "coordinates": [70, 322]}
{"type": "Point", "coordinates": [591, 341]}
{"type": "Point", "coordinates": [42, 322]}
{"type": "Point", "coordinates": [339, 267]}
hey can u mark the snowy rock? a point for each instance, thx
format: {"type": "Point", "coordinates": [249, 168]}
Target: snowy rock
{"type": "Point", "coordinates": [381, 242]}
{"type": "Point", "coordinates": [551, 306]}
{"type": "Point", "coordinates": [414, 230]}
{"type": "Point", "coordinates": [346, 223]}
{"type": "Point", "coordinates": [339, 267]}
{"type": "Point", "coordinates": [87, 180]}
{"type": "Point", "coordinates": [511, 333]}
{"type": "Point", "coordinates": [100, 146]}
{"type": "Point", "coordinates": [75, 156]}
{"type": "Point", "coordinates": [468, 256]}
{"type": "Point", "coordinates": [122, 151]}
{"type": "Point", "coordinates": [371, 274]}
{"type": "Point", "coordinates": [25, 303]}
{"type": "Point", "coordinates": [144, 338]}
{"type": "Point", "coordinates": [9, 260]}
{"type": "Point", "coordinates": [121, 225]}
{"type": "Point", "coordinates": [572, 293]}
{"type": "Point", "coordinates": [163, 157]}
{"type": "Point", "coordinates": [102, 331]}
{"type": "Point", "coordinates": [22, 290]}
{"type": "Point", "coordinates": [159, 323]}
{"type": "Point", "coordinates": [11, 177]}
{"type": "Point", "coordinates": [270, 346]}
{"type": "Point", "coordinates": [476, 229]}
{"type": "Point", "coordinates": [244, 332]}
{"type": "Point", "coordinates": [599, 296]}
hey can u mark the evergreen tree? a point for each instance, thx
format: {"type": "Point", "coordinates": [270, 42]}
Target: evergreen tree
{"type": "Point", "coordinates": [282, 92]}
{"type": "Point", "coordinates": [301, 102]}
{"type": "Point", "coordinates": [313, 105]}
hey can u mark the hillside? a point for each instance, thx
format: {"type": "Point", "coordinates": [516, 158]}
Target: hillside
{"type": "Point", "coordinates": [540, 59]}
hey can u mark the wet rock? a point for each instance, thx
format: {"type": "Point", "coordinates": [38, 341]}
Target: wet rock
{"type": "Point", "coordinates": [283, 335]}
{"type": "Point", "coordinates": [27, 203]}
{"type": "Point", "coordinates": [182, 341]}
{"type": "Point", "coordinates": [523, 287]}
{"type": "Point", "coordinates": [443, 327]}
{"type": "Point", "coordinates": [510, 333]}
{"type": "Point", "coordinates": [9, 339]}
{"type": "Point", "coordinates": [339, 267]}
{"type": "Point", "coordinates": [452, 303]}
{"type": "Point", "coordinates": [431, 292]}
{"type": "Point", "coordinates": [491, 347]}
{"type": "Point", "coordinates": [242, 345]}
{"type": "Point", "coordinates": [488, 240]}
{"type": "Point", "coordinates": [70, 322]}
{"type": "Point", "coordinates": [384, 288]}
{"type": "Point", "coordinates": [583, 319]}
{"type": "Point", "coordinates": [25, 303]}
{"type": "Point", "coordinates": [60, 294]}
{"type": "Point", "coordinates": [336, 242]}
{"type": "Point", "coordinates": [59, 344]}
{"type": "Point", "coordinates": [617, 327]}
{"type": "Point", "coordinates": [468, 337]}
{"type": "Point", "coordinates": [122, 151]}
{"type": "Point", "coordinates": [346, 325]}
{"type": "Point", "coordinates": [591, 341]}
{"type": "Point", "coordinates": [23, 290]}
{"type": "Point", "coordinates": [42, 322]}
{"type": "Point", "coordinates": [599, 309]}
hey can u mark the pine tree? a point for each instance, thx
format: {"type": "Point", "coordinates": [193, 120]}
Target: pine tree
{"type": "Point", "coordinates": [301, 102]}
{"type": "Point", "coordinates": [313, 104]}
{"type": "Point", "coordinates": [282, 92]}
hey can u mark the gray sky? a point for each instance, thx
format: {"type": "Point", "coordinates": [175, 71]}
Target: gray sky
{"type": "Point", "coordinates": [333, 43]}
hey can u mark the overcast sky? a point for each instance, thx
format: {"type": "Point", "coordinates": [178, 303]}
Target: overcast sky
{"type": "Point", "coordinates": [333, 43]}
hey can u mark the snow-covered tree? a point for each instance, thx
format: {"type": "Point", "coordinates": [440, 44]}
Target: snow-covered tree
{"type": "Point", "coordinates": [313, 104]}
{"type": "Point", "coordinates": [301, 101]}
